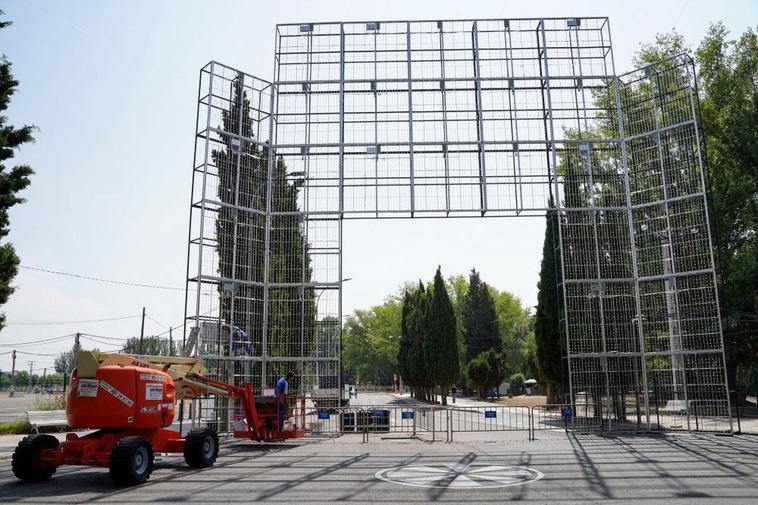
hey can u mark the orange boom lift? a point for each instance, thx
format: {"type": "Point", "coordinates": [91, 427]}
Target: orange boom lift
{"type": "Point", "coordinates": [131, 403]}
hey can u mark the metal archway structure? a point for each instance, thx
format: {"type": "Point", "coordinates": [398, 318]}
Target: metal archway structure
{"type": "Point", "coordinates": [466, 118]}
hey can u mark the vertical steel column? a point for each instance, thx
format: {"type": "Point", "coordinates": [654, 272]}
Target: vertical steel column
{"type": "Point", "coordinates": [587, 158]}
{"type": "Point", "coordinates": [342, 202]}
{"type": "Point", "coordinates": [667, 257]}
{"type": "Point", "coordinates": [554, 159]}
{"type": "Point", "coordinates": [236, 210]}
{"type": "Point", "coordinates": [202, 202]}
{"type": "Point", "coordinates": [376, 128]}
{"type": "Point", "coordinates": [189, 238]}
{"type": "Point", "coordinates": [303, 216]}
{"type": "Point", "coordinates": [443, 92]}
{"type": "Point", "coordinates": [513, 121]}
{"type": "Point", "coordinates": [340, 379]}
{"type": "Point", "coordinates": [410, 118]}
{"type": "Point", "coordinates": [199, 275]}
{"type": "Point", "coordinates": [192, 204]}
{"type": "Point", "coordinates": [270, 163]}
{"type": "Point", "coordinates": [691, 77]}
{"type": "Point", "coordinates": [342, 122]}
{"type": "Point", "coordinates": [479, 123]}
{"type": "Point", "coordinates": [632, 241]}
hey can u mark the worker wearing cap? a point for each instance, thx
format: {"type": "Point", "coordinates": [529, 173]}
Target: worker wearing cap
{"type": "Point", "coordinates": [282, 389]}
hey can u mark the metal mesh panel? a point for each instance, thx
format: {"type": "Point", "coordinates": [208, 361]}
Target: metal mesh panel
{"type": "Point", "coordinates": [461, 118]}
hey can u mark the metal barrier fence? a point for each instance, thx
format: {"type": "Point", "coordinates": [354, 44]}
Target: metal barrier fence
{"type": "Point", "coordinates": [416, 420]}
{"type": "Point", "coordinates": [550, 417]}
{"type": "Point", "coordinates": [379, 419]}
{"type": "Point", "coordinates": [494, 418]}
{"type": "Point", "coordinates": [434, 421]}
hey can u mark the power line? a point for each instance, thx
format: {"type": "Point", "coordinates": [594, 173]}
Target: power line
{"type": "Point", "coordinates": [156, 321]}
{"type": "Point", "coordinates": [183, 322]}
{"type": "Point", "coordinates": [36, 353]}
{"type": "Point", "coordinates": [32, 342]}
{"type": "Point", "coordinates": [34, 323]}
{"type": "Point", "coordinates": [681, 11]}
{"type": "Point", "coordinates": [103, 342]}
{"type": "Point", "coordinates": [105, 337]}
{"type": "Point", "coordinates": [98, 279]}
{"type": "Point", "coordinates": [180, 324]}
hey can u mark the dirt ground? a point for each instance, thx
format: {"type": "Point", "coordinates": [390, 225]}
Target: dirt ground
{"type": "Point", "coordinates": [523, 400]}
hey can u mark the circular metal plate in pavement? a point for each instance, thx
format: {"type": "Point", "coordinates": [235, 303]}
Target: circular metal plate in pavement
{"type": "Point", "coordinates": [459, 475]}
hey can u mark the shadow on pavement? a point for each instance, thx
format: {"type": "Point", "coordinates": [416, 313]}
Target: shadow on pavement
{"type": "Point", "coordinates": [74, 480]}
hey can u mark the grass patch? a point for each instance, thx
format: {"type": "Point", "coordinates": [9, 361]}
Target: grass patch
{"type": "Point", "coordinates": [50, 403]}
{"type": "Point", "coordinates": [15, 427]}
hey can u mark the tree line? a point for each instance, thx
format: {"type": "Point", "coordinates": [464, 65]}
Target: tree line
{"type": "Point", "coordinates": [412, 330]}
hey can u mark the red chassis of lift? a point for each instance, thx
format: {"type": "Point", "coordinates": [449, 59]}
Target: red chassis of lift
{"type": "Point", "coordinates": [95, 448]}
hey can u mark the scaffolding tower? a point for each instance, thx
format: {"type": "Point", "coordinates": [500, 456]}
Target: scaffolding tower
{"type": "Point", "coordinates": [464, 118]}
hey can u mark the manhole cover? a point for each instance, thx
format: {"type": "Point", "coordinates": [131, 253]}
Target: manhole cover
{"type": "Point", "coordinates": [459, 475]}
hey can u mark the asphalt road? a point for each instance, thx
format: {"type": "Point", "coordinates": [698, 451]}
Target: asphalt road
{"type": "Point", "coordinates": [15, 408]}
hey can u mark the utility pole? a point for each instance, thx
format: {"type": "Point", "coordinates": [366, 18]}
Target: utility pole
{"type": "Point", "coordinates": [170, 341]}
{"type": "Point", "coordinates": [142, 332]}
{"type": "Point", "coordinates": [31, 371]}
{"type": "Point", "coordinates": [77, 348]}
{"type": "Point", "coordinates": [13, 370]}
{"type": "Point", "coordinates": [44, 375]}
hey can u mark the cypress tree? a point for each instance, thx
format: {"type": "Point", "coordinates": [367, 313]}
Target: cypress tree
{"type": "Point", "coordinates": [242, 184]}
{"type": "Point", "coordinates": [406, 341]}
{"type": "Point", "coordinates": [419, 328]}
{"type": "Point", "coordinates": [441, 346]}
{"type": "Point", "coordinates": [480, 326]}
{"type": "Point", "coordinates": [546, 327]}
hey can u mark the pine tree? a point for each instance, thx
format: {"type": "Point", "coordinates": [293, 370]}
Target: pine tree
{"type": "Point", "coordinates": [441, 346]}
{"type": "Point", "coordinates": [546, 327]}
{"type": "Point", "coordinates": [11, 182]}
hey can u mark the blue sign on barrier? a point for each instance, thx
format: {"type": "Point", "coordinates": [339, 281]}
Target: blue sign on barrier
{"type": "Point", "coordinates": [490, 414]}
{"type": "Point", "coordinates": [406, 415]}
{"type": "Point", "coordinates": [323, 415]}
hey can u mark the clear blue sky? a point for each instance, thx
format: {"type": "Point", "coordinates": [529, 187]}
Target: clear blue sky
{"type": "Point", "coordinates": [112, 87]}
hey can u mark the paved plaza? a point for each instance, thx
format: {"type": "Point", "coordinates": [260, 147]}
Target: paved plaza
{"type": "Point", "coordinates": [490, 467]}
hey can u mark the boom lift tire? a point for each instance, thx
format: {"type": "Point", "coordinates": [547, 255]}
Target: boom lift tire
{"type": "Point", "coordinates": [26, 464]}
{"type": "Point", "coordinates": [131, 461]}
{"type": "Point", "coordinates": [201, 448]}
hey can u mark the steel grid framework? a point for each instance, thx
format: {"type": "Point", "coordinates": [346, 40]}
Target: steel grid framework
{"type": "Point", "coordinates": [463, 118]}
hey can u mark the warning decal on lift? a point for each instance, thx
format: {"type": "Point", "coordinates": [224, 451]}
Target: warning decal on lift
{"type": "Point", "coordinates": [153, 391]}
{"type": "Point", "coordinates": [152, 377]}
{"type": "Point", "coordinates": [87, 388]}
{"type": "Point", "coordinates": [118, 394]}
